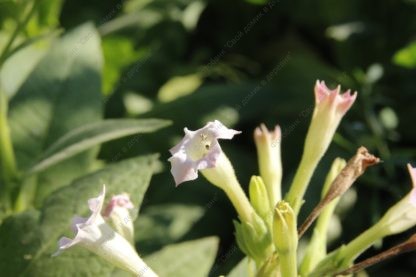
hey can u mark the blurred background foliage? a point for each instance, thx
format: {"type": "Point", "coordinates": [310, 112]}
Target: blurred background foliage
{"type": "Point", "coordinates": [245, 62]}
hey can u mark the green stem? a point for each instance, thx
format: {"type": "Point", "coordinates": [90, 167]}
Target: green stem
{"type": "Point", "coordinates": [8, 161]}
{"type": "Point", "coordinates": [364, 241]}
{"type": "Point", "coordinates": [19, 27]}
{"type": "Point", "coordinates": [300, 182]}
{"type": "Point", "coordinates": [239, 200]}
{"type": "Point", "coordinates": [288, 267]}
{"type": "Point", "coordinates": [223, 176]}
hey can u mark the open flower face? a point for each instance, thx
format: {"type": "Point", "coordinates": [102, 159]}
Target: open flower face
{"type": "Point", "coordinates": [198, 150]}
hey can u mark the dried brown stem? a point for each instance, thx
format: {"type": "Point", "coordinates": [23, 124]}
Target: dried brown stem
{"type": "Point", "coordinates": [355, 167]}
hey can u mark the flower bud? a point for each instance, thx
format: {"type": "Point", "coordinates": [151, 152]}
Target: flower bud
{"type": "Point", "coordinates": [285, 238]}
{"type": "Point", "coordinates": [285, 234]}
{"type": "Point", "coordinates": [118, 212]}
{"type": "Point", "coordinates": [269, 159]}
{"type": "Point", "coordinates": [259, 198]}
{"type": "Point", "coordinates": [254, 239]}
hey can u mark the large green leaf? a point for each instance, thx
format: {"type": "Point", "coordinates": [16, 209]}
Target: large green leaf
{"type": "Point", "coordinates": [31, 239]}
{"type": "Point", "coordinates": [164, 224]}
{"type": "Point", "coordinates": [19, 65]}
{"type": "Point", "coordinates": [240, 270]}
{"type": "Point", "coordinates": [62, 92]}
{"type": "Point", "coordinates": [93, 134]}
{"type": "Point", "coordinates": [191, 258]}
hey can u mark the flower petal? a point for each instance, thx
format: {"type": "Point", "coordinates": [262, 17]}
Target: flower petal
{"type": "Point", "coordinates": [210, 159]}
{"type": "Point", "coordinates": [96, 205]}
{"type": "Point", "coordinates": [220, 131]}
{"type": "Point", "coordinates": [76, 221]}
{"type": "Point", "coordinates": [183, 169]}
{"type": "Point", "coordinates": [64, 243]}
{"type": "Point", "coordinates": [198, 150]}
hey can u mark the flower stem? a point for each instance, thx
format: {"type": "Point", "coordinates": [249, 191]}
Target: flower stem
{"type": "Point", "coordinates": [302, 178]}
{"type": "Point", "coordinates": [239, 200]}
{"type": "Point", "coordinates": [288, 267]}
{"type": "Point", "coordinates": [223, 176]}
{"type": "Point", "coordinates": [8, 161]}
{"type": "Point", "coordinates": [353, 249]}
{"type": "Point", "coordinates": [19, 27]}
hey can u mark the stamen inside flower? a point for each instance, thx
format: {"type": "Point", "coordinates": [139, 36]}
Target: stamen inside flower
{"type": "Point", "coordinates": [205, 141]}
{"type": "Point", "coordinates": [200, 146]}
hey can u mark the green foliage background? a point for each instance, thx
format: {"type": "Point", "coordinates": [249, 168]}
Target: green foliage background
{"type": "Point", "coordinates": [242, 62]}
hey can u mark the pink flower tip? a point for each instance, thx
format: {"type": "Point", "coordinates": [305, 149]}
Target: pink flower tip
{"type": "Point", "coordinates": [198, 150]}
{"type": "Point", "coordinates": [118, 201]}
{"type": "Point", "coordinates": [343, 101]}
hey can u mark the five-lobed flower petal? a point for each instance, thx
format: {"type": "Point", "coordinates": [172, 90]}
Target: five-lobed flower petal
{"type": "Point", "coordinates": [325, 96]}
{"type": "Point", "coordinates": [198, 150]}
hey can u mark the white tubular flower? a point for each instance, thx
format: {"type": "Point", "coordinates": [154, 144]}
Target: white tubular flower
{"type": "Point", "coordinates": [118, 211]}
{"type": "Point", "coordinates": [330, 108]}
{"type": "Point", "coordinates": [198, 150]}
{"type": "Point", "coordinates": [96, 235]}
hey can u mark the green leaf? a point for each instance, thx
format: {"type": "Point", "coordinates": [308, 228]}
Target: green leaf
{"type": "Point", "coordinates": [93, 134]}
{"type": "Point", "coordinates": [20, 236]}
{"type": "Point", "coordinates": [179, 86]}
{"type": "Point", "coordinates": [406, 56]}
{"type": "Point", "coordinates": [20, 64]}
{"type": "Point", "coordinates": [191, 258]}
{"type": "Point", "coordinates": [31, 241]}
{"type": "Point", "coordinates": [164, 224]}
{"type": "Point", "coordinates": [119, 52]}
{"type": "Point", "coordinates": [62, 92]}
{"type": "Point", "coordinates": [240, 270]}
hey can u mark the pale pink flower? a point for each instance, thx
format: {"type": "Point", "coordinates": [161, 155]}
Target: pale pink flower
{"type": "Point", "coordinates": [198, 150]}
{"type": "Point", "coordinates": [325, 96]}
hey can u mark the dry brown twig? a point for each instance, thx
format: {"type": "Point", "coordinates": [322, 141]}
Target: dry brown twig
{"type": "Point", "coordinates": [355, 167]}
